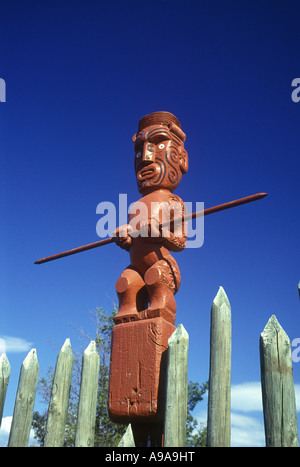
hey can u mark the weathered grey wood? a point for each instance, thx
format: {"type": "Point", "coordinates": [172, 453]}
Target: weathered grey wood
{"type": "Point", "coordinates": [176, 389]}
{"type": "Point", "coordinates": [58, 407]}
{"type": "Point", "coordinates": [299, 288]}
{"type": "Point", "coordinates": [127, 440]}
{"type": "Point", "coordinates": [278, 392]}
{"type": "Point", "coordinates": [218, 417]}
{"type": "Point", "coordinates": [85, 431]}
{"type": "Point", "coordinates": [4, 379]}
{"type": "Point", "coordinates": [22, 417]}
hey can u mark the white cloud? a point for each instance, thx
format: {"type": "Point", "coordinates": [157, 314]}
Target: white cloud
{"type": "Point", "coordinates": [14, 344]}
{"type": "Point", "coordinates": [201, 417]}
{"type": "Point", "coordinates": [247, 426]}
{"type": "Point", "coordinates": [5, 430]}
{"type": "Point", "coordinates": [6, 424]}
{"type": "Point", "coordinates": [246, 431]}
{"type": "Point", "coordinates": [246, 397]}
{"type": "Point", "coordinates": [297, 394]}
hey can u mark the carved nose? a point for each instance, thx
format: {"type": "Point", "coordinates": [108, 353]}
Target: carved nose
{"type": "Point", "coordinates": [149, 153]}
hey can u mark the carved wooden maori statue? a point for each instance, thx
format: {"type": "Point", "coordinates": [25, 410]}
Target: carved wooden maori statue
{"type": "Point", "coordinates": [153, 275]}
{"type": "Point", "coordinates": [146, 288]}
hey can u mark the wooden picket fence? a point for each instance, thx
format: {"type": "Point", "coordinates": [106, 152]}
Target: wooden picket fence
{"type": "Point", "coordinates": [175, 433]}
{"type": "Point", "coordinates": [58, 406]}
{"type": "Point", "coordinates": [278, 393]}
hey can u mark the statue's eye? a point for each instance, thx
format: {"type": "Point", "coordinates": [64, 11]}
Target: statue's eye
{"type": "Point", "coordinates": [138, 154]}
{"type": "Point", "coordinates": [161, 146]}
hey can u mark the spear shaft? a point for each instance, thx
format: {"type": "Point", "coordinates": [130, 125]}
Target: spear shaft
{"type": "Point", "coordinates": [188, 217]}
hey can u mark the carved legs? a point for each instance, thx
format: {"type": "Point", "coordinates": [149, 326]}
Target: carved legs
{"type": "Point", "coordinates": [132, 296]}
{"type": "Point", "coordinates": [160, 283]}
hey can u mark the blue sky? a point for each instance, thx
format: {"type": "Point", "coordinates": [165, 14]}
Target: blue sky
{"type": "Point", "coordinates": [79, 75]}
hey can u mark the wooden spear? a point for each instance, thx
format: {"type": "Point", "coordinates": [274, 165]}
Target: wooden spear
{"type": "Point", "coordinates": [188, 217]}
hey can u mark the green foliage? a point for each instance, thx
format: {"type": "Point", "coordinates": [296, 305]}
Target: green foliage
{"type": "Point", "coordinates": [195, 432]}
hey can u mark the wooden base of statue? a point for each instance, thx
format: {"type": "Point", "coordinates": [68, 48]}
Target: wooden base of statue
{"type": "Point", "coordinates": [137, 377]}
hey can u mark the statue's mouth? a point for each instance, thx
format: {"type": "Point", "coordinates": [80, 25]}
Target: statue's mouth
{"type": "Point", "coordinates": [148, 171]}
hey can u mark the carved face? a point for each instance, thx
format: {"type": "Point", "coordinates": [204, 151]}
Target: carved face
{"type": "Point", "coordinates": [160, 159]}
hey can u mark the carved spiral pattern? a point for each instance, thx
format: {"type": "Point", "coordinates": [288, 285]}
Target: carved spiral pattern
{"type": "Point", "coordinates": [162, 172]}
{"type": "Point", "coordinates": [172, 158]}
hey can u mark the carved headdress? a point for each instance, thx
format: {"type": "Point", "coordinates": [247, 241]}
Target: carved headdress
{"type": "Point", "coordinates": [162, 118]}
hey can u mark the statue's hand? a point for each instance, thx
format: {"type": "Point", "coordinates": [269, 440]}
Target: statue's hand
{"type": "Point", "coordinates": [122, 238]}
{"type": "Point", "coordinates": [151, 231]}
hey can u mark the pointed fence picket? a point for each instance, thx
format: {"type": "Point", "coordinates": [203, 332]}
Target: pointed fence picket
{"type": "Point", "coordinates": [4, 379]}
{"type": "Point", "coordinates": [85, 430]}
{"type": "Point", "coordinates": [176, 389]}
{"type": "Point", "coordinates": [218, 419]}
{"type": "Point", "coordinates": [58, 407]}
{"type": "Point", "coordinates": [23, 411]}
{"type": "Point", "coordinates": [278, 392]}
